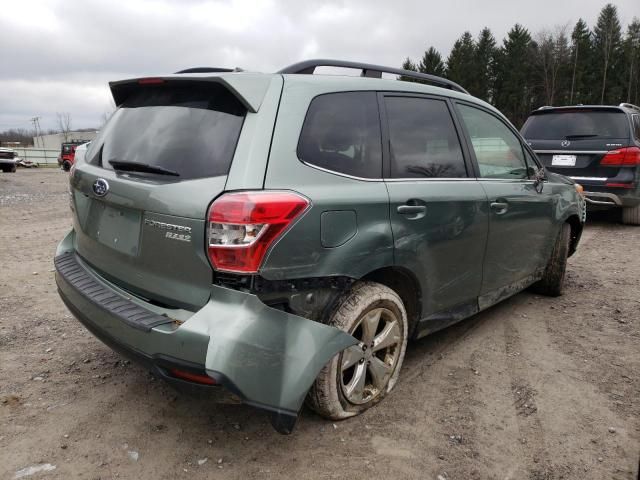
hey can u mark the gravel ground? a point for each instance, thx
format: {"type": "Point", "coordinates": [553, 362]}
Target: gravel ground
{"type": "Point", "coordinates": [534, 388]}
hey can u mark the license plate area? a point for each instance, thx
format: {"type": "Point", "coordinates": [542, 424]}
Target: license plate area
{"type": "Point", "coordinates": [117, 228]}
{"type": "Point", "coordinates": [563, 160]}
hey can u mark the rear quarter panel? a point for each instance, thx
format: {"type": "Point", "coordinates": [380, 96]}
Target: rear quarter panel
{"type": "Point", "coordinates": [361, 220]}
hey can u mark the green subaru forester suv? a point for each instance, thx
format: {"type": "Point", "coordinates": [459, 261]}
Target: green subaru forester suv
{"type": "Point", "coordinates": [282, 236]}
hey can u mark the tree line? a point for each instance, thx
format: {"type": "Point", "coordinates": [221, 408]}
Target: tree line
{"type": "Point", "coordinates": [559, 66]}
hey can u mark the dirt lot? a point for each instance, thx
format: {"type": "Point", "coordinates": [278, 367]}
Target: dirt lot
{"type": "Point", "coordinates": [535, 388]}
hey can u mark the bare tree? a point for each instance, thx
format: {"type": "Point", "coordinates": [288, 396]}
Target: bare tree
{"type": "Point", "coordinates": [553, 54]}
{"type": "Point", "coordinates": [64, 124]}
{"type": "Point", "coordinates": [106, 115]}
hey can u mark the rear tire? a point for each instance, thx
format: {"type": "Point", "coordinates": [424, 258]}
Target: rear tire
{"type": "Point", "coordinates": [375, 315]}
{"type": "Point", "coordinates": [631, 215]}
{"type": "Point", "coordinates": [66, 166]}
{"type": "Point", "coordinates": [552, 281]}
{"type": "Point", "coordinates": [13, 169]}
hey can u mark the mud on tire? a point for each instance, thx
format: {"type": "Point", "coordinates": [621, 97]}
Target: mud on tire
{"type": "Point", "coordinates": [552, 281]}
{"type": "Point", "coordinates": [329, 396]}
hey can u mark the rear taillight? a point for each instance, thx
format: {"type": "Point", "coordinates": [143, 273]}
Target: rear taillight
{"type": "Point", "coordinates": [622, 157]}
{"type": "Point", "coordinates": [243, 225]}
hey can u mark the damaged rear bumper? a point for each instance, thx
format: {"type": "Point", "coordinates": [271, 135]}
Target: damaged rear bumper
{"type": "Point", "coordinates": [267, 357]}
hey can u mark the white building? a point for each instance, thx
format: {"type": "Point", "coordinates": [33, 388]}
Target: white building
{"type": "Point", "coordinates": [55, 140]}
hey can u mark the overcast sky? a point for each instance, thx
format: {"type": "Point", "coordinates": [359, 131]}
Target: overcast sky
{"type": "Point", "coordinates": [57, 56]}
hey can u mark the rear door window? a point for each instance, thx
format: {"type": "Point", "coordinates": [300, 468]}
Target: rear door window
{"type": "Point", "coordinates": [423, 139]}
{"type": "Point", "coordinates": [341, 133]}
{"type": "Point", "coordinates": [576, 125]}
{"type": "Point", "coordinates": [190, 128]}
{"type": "Point", "coordinates": [498, 150]}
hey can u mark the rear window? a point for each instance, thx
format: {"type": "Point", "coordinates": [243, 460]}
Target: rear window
{"type": "Point", "coordinates": [576, 125]}
{"type": "Point", "coordinates": [189, 128]}
{"type": "Point", "coordinates": [7, 154]}
{"type": "Point", "coordinates": [341, 133]}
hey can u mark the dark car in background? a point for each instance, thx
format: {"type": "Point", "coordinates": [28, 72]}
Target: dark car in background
{"type": "Point", "coordinates": [8, 160]}
{"type": "Point", "coordinates": [597, 146]}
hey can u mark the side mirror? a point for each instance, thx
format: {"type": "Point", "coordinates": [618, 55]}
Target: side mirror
{"type": "Point", "coordinates": [539, 177]}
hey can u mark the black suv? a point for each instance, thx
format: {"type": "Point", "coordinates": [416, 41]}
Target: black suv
{"type": "Point", "coordinates": [598, 146]}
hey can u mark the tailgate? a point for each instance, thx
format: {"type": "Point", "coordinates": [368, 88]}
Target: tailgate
{"type": "Point", "coordinates": [141, 195]}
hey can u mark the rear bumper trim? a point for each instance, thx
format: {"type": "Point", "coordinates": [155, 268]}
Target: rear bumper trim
{"type": "Point", "coordinates": [69, 268]}
{"type": "Point", "coordinates": [602, 198]}
{"type": "Point", "coordinates": [590, 179]}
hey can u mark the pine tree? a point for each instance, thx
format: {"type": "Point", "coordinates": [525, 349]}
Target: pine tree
{"type": "Point", "coordinates": [408, 65]}
{"type": "Point", "coordinates": [581, 90]}
{"type": "Point", "coordinates": [461, 62]}
{"type": "Point", "coordinates": [514, 75]}
{"type": "Point", "coordinates": [608, 54]}
{"type": "Point", "coordinates": [632, 62]}
{"type": "Point", "coordinates": [484, 70]}
{"type": "Point", "coordinates": [432, 63]}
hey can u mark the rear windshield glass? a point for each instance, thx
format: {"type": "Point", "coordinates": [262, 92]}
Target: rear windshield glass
{"type": "Point", "coordinates": [190, 128]}
{"type": "Point", "coordinates": [576, 125]}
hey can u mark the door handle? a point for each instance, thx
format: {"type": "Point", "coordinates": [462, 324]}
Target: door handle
{"type": "Point", "coordinates": [411, 209]}
{"type": "Point", "coordinates": [499, 207]}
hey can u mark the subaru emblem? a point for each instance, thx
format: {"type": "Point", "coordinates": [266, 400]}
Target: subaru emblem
{"type": "Point", "coordinates": [565, 143]}
{"type": "Point", "coordinates": [100, 187]}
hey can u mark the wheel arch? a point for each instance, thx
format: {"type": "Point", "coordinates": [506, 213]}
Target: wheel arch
{"type": "Point", "coordinates": [406, 285]}
{"type": "Point", "coordinates": [576, 232]}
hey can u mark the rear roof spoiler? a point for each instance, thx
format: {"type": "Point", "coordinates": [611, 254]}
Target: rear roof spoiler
{"type": "Point", "coordinates": [565, 108]}
{"type": "Point", "coordinates": [249, 88]}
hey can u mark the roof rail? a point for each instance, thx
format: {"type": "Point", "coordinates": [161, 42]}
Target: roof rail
{"type": "Point", "coordinates": [368, 70]}
{"type": "Point", "coordinates": [629, 105]}
{"type": "Point", "coordinates": [209, 70]}
{"type": "Point", "coordinates": [545, 106]}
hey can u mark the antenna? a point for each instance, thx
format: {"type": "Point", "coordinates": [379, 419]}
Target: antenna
{"type": "Point", "coordinates": [36, 127]}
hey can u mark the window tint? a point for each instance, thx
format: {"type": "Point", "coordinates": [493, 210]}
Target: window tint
{"type": "Point", "coordinates": [423, 139]}
{"type": "Point", "coordinates": [342, 133]}
{"type": "Point", "coordinates": [576, 125]}
{"type": "Point", "coordinates": [498, 150]}
{"type": "Point", "coordinates": [188, 128]}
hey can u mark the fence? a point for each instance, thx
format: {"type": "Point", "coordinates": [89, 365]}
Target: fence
{"type": "Point", "coordinates": [40, 156]}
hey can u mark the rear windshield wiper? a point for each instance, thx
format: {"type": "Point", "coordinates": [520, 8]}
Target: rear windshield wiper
{"type": "Point", "coordinates": [141, 167]}
{"type": "Point", "coordinates": [580, 135]}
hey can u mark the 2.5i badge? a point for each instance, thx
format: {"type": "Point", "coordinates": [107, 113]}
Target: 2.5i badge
{"type": "Point", "coordinates": [174, 232]}
{"type": "Point", "coordinates": [178, 236]}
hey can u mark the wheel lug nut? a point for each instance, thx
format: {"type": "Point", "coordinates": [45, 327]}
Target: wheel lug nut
{"type": "Point", "coordinates": [362, 360]}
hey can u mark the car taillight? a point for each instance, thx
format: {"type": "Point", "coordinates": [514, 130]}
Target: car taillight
{"type": "Point", "coordinates": [622, 157]}
{"type": "Point", "coordinates": [243, 225]}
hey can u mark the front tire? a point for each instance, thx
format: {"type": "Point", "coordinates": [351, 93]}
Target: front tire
{"type": "Point", "coordinates": [552, 281]}
{"type": "Point", "coordinates": [631, 215]}
{"type": "Point", "coordinates": [360, 376]}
